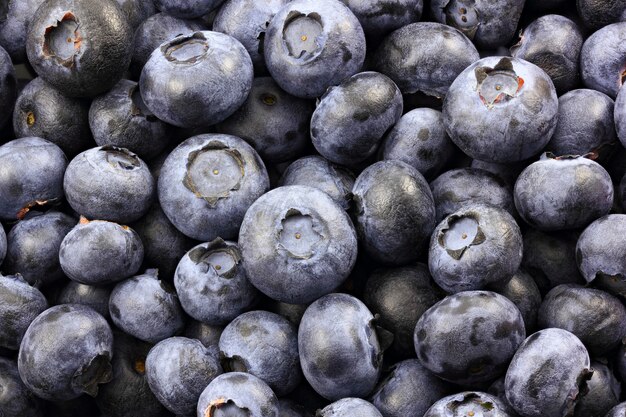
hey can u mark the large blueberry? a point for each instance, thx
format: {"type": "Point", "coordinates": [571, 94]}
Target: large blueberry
{"type": "Point", "coordinates": [602, 59]}
{"type": "Point", "coordinates": [468, 403]}
{"type": "Point", "coordinates": [297, 244]}
{"type": "Point", "coordinates": [349, 407]}
{"type": "Point", "coordinates": [15, 16]}
{"type": "Point", "coordinates": [208, 182]}
{"type": "Point", "coordinates": [66, 352]}
{"type": "Point", "coordinates": [96, 297]}
{"type": "Point", "coordinates": [15, 399]}
{"type": "Point", "coordinates": [8, 86]}
{"type": "Point", "coordinates": [523, 291]}
{"type": "Point", "coordinates": [187, 9]}
{"type": "Point", "coordinates": [501, 109]}
{"type": "Point", "coordinates": [379, 17]}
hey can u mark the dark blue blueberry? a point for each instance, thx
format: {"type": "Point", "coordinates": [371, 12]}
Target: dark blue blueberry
{"type": "Point", "coordinates": [15, 399]}
{"type": "Point", "coordinates": [473, 247]}
{"type": "Point", "coordinates": [619, 116]}
{"type": "Point", "coordinates": [95, 297]}
{"type": "Point", "coordinates": [187, 9]}
{"type": "Point", "coordinates": [394, 212]}
{"type": "Point", "coordinates": [274, 122]}
{"type": "Point", "coordinates": [207, 334]}
{"type": "Point", "coordinates": [196, 80]}
{"type": "Point", "coordinates": [66, 352]}
{"type": "Point", "coordinates": [349, 407]}
{"type": "Point", "coordinates": [604, 392]}
{"type": "Point", "coordinates": [548, 374]}
{"type": "Point", "coordinates": [100, 252]}
{"type": "Point", "coordinates": [553, 43]}
{"type": "Point", "coordinates": [339, 349]}
{"type": "Point", "coordinates": [288, 408]}
{"type": "Point", "coordinates": [507, 171]}
{"type": "Point", "coordinates": [379, 17]}
{"type": "Point", "coordinates": [408, 389]}
{"type": "Point", "coordinates": [311, 45]}
{"type": "Point", "coordinates": [501, 109]}
{"type": "Point", "coordinates": [109, 183]}
{"type": "Point", "coordinates": [563, 193]}
{"type": "Point", "coordinates": [212, 284]}
{"type": "Point", "coordinates": [497, 389]}
{"type": "Point", "coordinates": [208, 182]}
{"type": "Point", "coordinates": [20, 304]}
{"type": "Point", "coordinates": [8, 85]}
{"type": "Point", "coordinates": [33, 247]}
{"type": "Point", "coordinates": [425, 57]}
{"type": "Point", "coordinates": [292, 312]}
{"type": "Point", "coordinates": [602, 59]}
{"type": "Point", "coordinates": [351, 118]}
{"type": "Point", "coordinates": [81, 48]}
{"type": "Point", "coordinates": [468, 403]}
{"type": "Point", "coordinates": [15, 16]}
{"type": "Point", "coordinates": [31, 175]}
{"type": "Point", "coordinates": [596, 14]}
{"type": "Point", "coordinates": [469, 337]}
{"type": "Point", "coordinates": [178, 370]}
{"type": "Point", "coordinates": [524, 292]}
{"type": "Point", "coordinates": [297, 244]}
{"type": "Point", "coordinates": [137, 11]}
{"type": "Point", "coordinates": [237, 394]}
{"type": "Point", "coordinates": [146, 308]}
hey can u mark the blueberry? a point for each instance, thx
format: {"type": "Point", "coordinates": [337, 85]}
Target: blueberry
{"type": "Point", "coordinates": [408, 389]}
{"type": "Point", "coordinates": [196, 80]}
{"type": "Point", "coordinates": [208, 182]}
{"type": "Point", "coordinates": [8, 85]}
{"type": "Point", "coordinates": [566, 201]}
{"type": "Point", "coordinates": [274, 122]}
{"type": "Point", "coordinates": [100, 252]}
{"type": "Point", "coordinates": [15, 16]}
{"type": "Point", "coordinates": [3, 244]}
{"type": "Point", "coordinates": [468, 403]}
{"type": "Point", "coordinates": [458, 188]}
{"type": "Point", "coordinates": [20, 304]}
{"type": "Point", "coordinates": [297, 244]}
{"type": "Point", "coordinates": [146, 308]}
{"type": "Point", "coordinates": [33, 247]}
{"type": "Point", "coordinates": [81, 48]}
{"type": "Point", "coordinates": [507, 171]}
{"type": "Point", "coordinates": [91, 296]}
{"type": "Point", "coordinates": [349, 407]}
{"type": "Point", "coordinates": [292, 312]}
{"type": "Point", "coordinates": [619, 115]}
{"type": "Point", "coordinates": [178, 370]}
{"type": "Point", "coordinates": [265, 345]}
{"type": "Point", "coordinates": [66, 352]}
{"type": "Point", "coordinates": [602, 57]}
{"type": "Point", "coordinates": [617, 411]}
{"type": "Point", "coordinates": [379, 17]}
{"type": "Point", "coordinates": [604, 393]}
{"type": "Point", "coordinates": [237, 394]}
{"type": "Point", "coordinates": [351, 119]}
{"type": "Point", "coordinates": [187, 9]}
{"type": "Point", "coordinates": [548, 374]}
{"type": "Point", "coordinates": [501, 109]}
{"type": "Point", "coordinates": [525, 294]}
{"type": "Point", "coordinates": [288, 408]}
{"type": "Point", "coordinates": [424, 57]}
{"type": "Point", "coordinates": [469, 337]}
{"type": "Point", "coordinates": [207, 334]}
{"type": "Point", "coordinates": [311, 45]}
{"type": "Point", "coordinates": [553, 43]}
{"type": "Point", "coordinates": [419, 139]}
{"type": "Point", "coordinates": [212, 285]}
{"type": "Point", "coordinates": [15, 399]}
{"type": "Point", "coordinates": [31, 175]}
{"type": "Point", "coordinates": [473, 247]}
{"type": "Point", "coordinates": [137, 11]}
{"type": "Point", "coordinates": [497, 389]}
{"type": "Point", "coordinates": [335, 365]}
{"type": "Point", "coordinates": [597, 14]}
{"type": "Point", "coordinates": [394, 212]}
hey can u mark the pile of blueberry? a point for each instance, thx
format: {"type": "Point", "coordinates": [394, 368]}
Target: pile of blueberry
{"type": "Point", "coordinates": [289, 208]}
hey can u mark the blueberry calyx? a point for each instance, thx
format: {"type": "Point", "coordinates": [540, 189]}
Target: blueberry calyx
{"type": "Point", "coordinates": [462, 15]}
{"type": "Point", "coordinates": [37, 203]}
{"type": "Point", "coordinates": [302, 35]}
{"type": "Point", "coordinates": [62, 40]}
{"type": "Point", "coordinates": [217, 256]}
{"type": "Point", "coordinates": [98, 371]}
{"type": "Point", "coordinates": [470, 404]}
{"type": "Point", "coordinates": [138, 106]}
{"type": "Point", "coordinates": [189, 49]}
{"type": "Point", "coordinates": [234, 363]}
{"type": "Point", "coordinates": [120, 157]}
{"type": "Point", "coordinates": [299, 234]}
{"type": "Point", "coordinates": [461, 232]}
{"type": "Point", "coordinates": [578, 391]}
{"type": "Point", "coordinates": [495, 85]}
{"type": "Point", "coordinates": [223, 403]}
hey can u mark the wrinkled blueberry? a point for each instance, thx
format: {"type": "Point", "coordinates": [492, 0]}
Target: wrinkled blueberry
{"type": "Point", "coordinates": [602, 59]}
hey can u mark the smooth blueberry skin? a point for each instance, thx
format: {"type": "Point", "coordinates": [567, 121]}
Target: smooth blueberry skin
{"type": "Point", "coordinates": [109, 183]}
{"type": "Point", "coordinates": [20, 304]}
{"type": "Point", "coordinates": [577, 192]}
{"type": "Point", "coordinates": [43, 111]}
{"type": "Point", "coordinates": [100, 252]}
{"type": "Point", "coordinates": [15, 399]}
{"type": "Point", "coordinates": [619, 116]}
{"type": "Point", "coordinates": [408, 389]}
{"type": "Point", "coordinates": [154, 31]}
{"type": "Point", "coordinates": [419, 138]}
{"type": "Point", "coordinates": [274, 122]}
{"type": "Point", "coordinates": [15, 17]}
{"type": "Point", "coordinates": [208, 182]}
{"type": "Point", "coordinates": [95, 297]}
{"type": "Point", "coordinates": [394, 212]}
{"type": "Point", "coordinates": [348, 407]}
{"type": "Point", "coordinates": [597, 14]}
{"type": "Point", "coordinates": [8, 86]}
{"type": "Point", "coordinates": [33, 247]}
{"type": "Point", "coordinates": [237, 394]}
{"type": "Point", "coordinates": [617, 411]}
{"type": "Point", "coordinates": [473, 247]}
{"type": "Point", "coordinates": [120, 118]}
{"type": "Point", "coordinates": [31, 174]}
{"type": "Point", "coordinates": [146, 308]}
{"type": "Point", "coordinates": [501, 109]}
{"type": "Point", "coordinates": [351, 118]}
{"type": "Point", "coordinates": [187, 9]}
{"type": "Point", "coordinates": [399, 296]}
{"type": "Point", "coordinates": [522, 290]}
{"type": "Point", "coordinates": [469, 337]}
{"type": "Point", "coordinates": [212, 284]}
{"type": "Point", "coordinates": [137, 11]}
{"type": "Point", "coordinates": [265, 345]}
{"type": "Point", "coordinates": [467, 402]}
{"type": "Point", "coordinates": [311, 45]}
{"type": "Point", "coordinates": [553, 43]}
{"type": "Point", "coordinates": [602, 59]}
{"type": "Point", "coordinates": [547, 373]}
{"type": "Point", "coordinates": [424, 57]}
{"type": "Point", "coordinates": [3, 244]}
{"type": "Point", "coordinates": [297, 244]}
{"type": "Point", "coordinates": [604, 392]}
{"type": "Point", "coordinates": [337, 366]}
{"type": "Point", "coordinates": [178, 370]}
{"type": "Point", "coordinates": [66, 352]}
{"type": "Point", "coordinates": [78, 68]}
{"type": "Point", "coordinates": [207, 334]}
{"type": "Point", "coordinates": [247, 21]}
{"type": "Point", "coordinates": [457, 188]}
{"type": "Point", "coordinates": [196, 80]}
{"type": "Point", "coordinates": [379, 17]}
